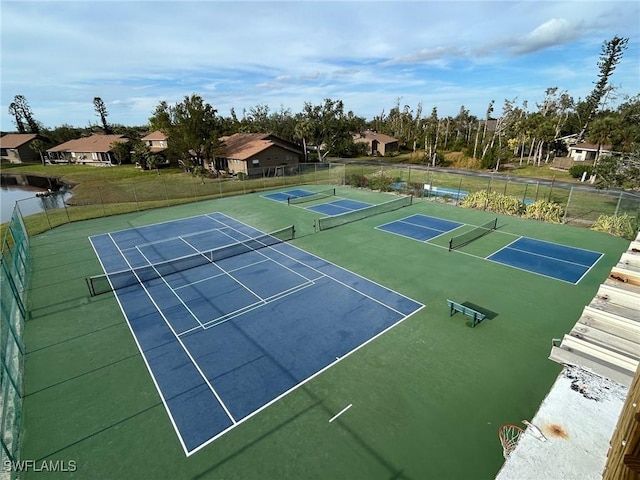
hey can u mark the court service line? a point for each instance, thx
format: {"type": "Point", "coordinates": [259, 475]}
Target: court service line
{"type": "Point", "coordinates": [340, 412]}
{"type": "Point", "coordinates": [230, 316]}
{"type": "Point", "coordinates": [168, 286]}
{"type": "Point", "coordinates": [271, 249]}
{"type": "Point", "coordinates": [349, 286]}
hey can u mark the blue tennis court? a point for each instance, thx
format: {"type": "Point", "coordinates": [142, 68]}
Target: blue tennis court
{"type": "Point", "coordinates": [420, 227]}
{"type": "Point", "coordinates": [568, 264]}
{"type": "Point", "coordinates": [284, 196]}
{"type": "Point", "coordinates": [224, 339]}
{"type": "Point", "coordinates": [339, 207]}
{"type": "Point", "coordinates": [553, 260]}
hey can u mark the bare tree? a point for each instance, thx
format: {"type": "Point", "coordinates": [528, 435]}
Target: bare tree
{"type": "Point", "coordinates": [609, 58]}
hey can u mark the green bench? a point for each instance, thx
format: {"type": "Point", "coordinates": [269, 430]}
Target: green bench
{"type": "Point", "coordinates": [457, 307]}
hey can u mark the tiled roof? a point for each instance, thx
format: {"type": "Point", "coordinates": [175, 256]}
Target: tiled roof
{"type": "Point", "coordinates": [242, 146]}
{"type": "Point", "coordinates": [15, 140]}
{"type": "Point", "coordinates": [157, 135]}
{"type": "Point", "coordinates": [370, 135]}
{"type": "Point", "coordinates": [94, 143]}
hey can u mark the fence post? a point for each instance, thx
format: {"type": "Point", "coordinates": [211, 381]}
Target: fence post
{"type": "Point", "coordinates": [524, 197]}
{"type": "Point", "coordinates": [459, 188]}
{"type": "Point", "coordinates": [166, 193]}
{"type": "Point", "coordinates": [64, 205]}
{"type": "Point", "coordinates": [553, 181]}
{"type": "Point", "coordinates": [566, 209]}
{"type": "Point", "coordinates": [104, 214]}
{"type": "Point", "coordinates": [46, 214]}
{"type": "Point", "coordinates": [135, 195]}
{"type": "Point", "coordinates": [618, 205]}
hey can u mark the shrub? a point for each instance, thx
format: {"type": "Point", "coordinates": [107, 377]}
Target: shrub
{"type": "Point", "coordinates": [380, 182]}
{"type": "Point", "coordinates": [624, 225]}
{"type": "Point", "coordinates": [493, 202]}
{"type": "Point", "coordinates": [356, 180]}
{"type": "Point", "coordinates": [544, 210]}
{"type": "Point", "coordinates": [578, 170]}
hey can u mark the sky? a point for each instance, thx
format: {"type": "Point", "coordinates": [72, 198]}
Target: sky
{"type": "Point", "coordinates": [372, 55]}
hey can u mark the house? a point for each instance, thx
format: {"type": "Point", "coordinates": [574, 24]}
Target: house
{"type": "Point", "coordinates": [589, 153]}
{"type": "Point", "coordinates": [157, 141]}
{"type": "Point", "coordinates": [255, 154]}
{"type": "Point", "coordinates": [377, 143]}
{"type": "Point", "coordinates": [94, 150]}
{"type": "Point", "coordinates": [158, 144]}
{"type": "Point", "coordinates": [16, 148]}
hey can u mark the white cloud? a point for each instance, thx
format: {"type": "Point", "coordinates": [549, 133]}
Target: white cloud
{"type": "Point", "coordinates": [240, 54]}
{"type": "Point", "coordinates": [554, 32]}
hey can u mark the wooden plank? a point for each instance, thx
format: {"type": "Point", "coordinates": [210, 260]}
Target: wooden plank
{"type": "Point", "coordinates": [630, 259]}
{"type": "Point", "coordinates": [626, 436]}
{"type": "Point", "coordinates": [610, 322]}
{"type": "Point", "coordinates": [625, 276]}
{"type": "Point", "coordinates": [607, 340]}
{"type": "Point", "coordinates": [618, 296]}
{"type": "Point", "coordinates": [565, 357]}
{"type": "Point", "coordinates": [619, 310]}
{"type": "Point", "coordinates": [622, 361]}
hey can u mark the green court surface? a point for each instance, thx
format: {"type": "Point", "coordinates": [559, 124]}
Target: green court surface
{"type": "Point", "coordinates": [427, 397]}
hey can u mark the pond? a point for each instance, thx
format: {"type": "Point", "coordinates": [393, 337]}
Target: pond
{"type": "Point", "coordinates": [23, 189]}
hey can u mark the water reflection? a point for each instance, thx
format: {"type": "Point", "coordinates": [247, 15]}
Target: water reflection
{"type": "Point", "coordinates": [27, 200]}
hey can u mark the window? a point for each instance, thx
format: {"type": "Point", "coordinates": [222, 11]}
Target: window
{"type": "Point", "coordinates": [255, 163]}
{"type": "Point", "coordinates": [94, 155]}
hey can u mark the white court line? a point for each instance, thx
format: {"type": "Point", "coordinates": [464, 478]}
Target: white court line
{"type": "Point", "coordinates": [340, 412]}
{"type": "Point", "coordinates": [229, 316]}
{"type": "Point", "coordinates": [169, 287]}
{"type": "Point", "coordinates": [403, 316]}
{"type": "Point", "coordinates": [188, 353]}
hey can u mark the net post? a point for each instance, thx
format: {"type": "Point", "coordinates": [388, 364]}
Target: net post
{"type": "Point", "coordinates": [450, 244]}
{"type": "Point", "coordinates": [90, 286]}
{"type": "Point", "coordinates": [289, 201]}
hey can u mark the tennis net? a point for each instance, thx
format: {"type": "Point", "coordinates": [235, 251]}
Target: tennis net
{"type": "Point", "coordinates": [314, 196]}
{"type": "Point", "coordinates": [99, 284]}
{"type": "Point", "coordinates": [470, 236]}
{"type": "Point", "coordinates": [325, 223]}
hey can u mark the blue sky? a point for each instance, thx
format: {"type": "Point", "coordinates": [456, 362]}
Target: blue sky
{"type": "Point", "coordinates": [444, 54]}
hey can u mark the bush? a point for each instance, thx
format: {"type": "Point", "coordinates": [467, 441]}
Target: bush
{"type": "Point", "coordinates": [356, 180]}
{"type": "Point", "coordinates": [544, 210]}
{"type": "Point", "coordinates": [624, 225]}
{"type": "Point", "coordinates": [380, 182]}
{"type": "Point", "coordinates": [493, 202]}
{"type": "Point", "coordinates": [578, 170]}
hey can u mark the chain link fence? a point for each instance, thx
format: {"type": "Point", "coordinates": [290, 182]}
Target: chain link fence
{"type": "Point", "coordinates": [14, 280]}
{"type": "Point", "coordinates": [582, 205]}
{"type": "Point", "coordinates": [106, 198]}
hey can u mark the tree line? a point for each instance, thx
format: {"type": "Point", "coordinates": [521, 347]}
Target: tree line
{"type": "Point", "coordinates": [518, 132]}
